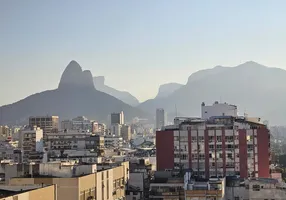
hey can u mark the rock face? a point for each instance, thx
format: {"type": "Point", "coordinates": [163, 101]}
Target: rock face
{"type": "Point", "coordinates": [256, 89]}
{"type": "Point", "coordinates": [74, 77]}
{"type": "Point", "coordinates": [126, 97]}
{"type": "Point", "coordinates": [167, 89]}
{"type": "Point", "coordinates": [75, 96]}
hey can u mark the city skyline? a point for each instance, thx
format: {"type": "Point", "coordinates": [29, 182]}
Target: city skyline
{"type": "Point", "coordinates": [122, 41]}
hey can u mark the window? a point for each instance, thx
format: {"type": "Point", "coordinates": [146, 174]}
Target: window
{"type": "Point", "coordinates": [219, 138]}
{"type": "Point", "coordinates": [229, 155]}
{"type": "Point", "coordinates": [256, 187]}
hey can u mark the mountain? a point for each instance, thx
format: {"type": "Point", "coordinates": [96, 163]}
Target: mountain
{"type": "Point", "coordinates": [74, 96]}
{"type": "Point", "coordinates": [126, 97]}
{"type": "Point", "coordinates": [256, 89]}
{"type": "Point", "coordinates": [167, 89]}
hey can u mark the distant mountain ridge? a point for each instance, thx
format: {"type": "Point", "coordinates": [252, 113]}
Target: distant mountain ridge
{"type": "Point", "coordinates": [256, 89]}
{"type": "Point", "coordinates": [167, 89]}
{"type": "Point", "coordinates": [126, 97]}
{"type": "Point", "coordinates": [75, 96]}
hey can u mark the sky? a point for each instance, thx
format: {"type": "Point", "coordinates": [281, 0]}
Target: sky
{"type": "Point", "coordinates": [136, 45]}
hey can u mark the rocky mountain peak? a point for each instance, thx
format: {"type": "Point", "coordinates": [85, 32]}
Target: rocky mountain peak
{"type": "Point", "coordinates": [73, 77]}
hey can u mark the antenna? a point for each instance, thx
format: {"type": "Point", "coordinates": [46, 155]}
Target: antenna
{"type": "Point", "coordinates": [176, 110]}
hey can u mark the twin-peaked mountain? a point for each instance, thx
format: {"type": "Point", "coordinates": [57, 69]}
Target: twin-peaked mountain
{"type": "Point", "coordinates": [75, 95]}
{"type": "Point", "coordinates": [256, 89]}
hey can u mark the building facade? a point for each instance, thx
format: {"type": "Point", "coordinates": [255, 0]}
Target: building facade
{"type": "Point", "coordinates": [48, 124]}
{"type": "Point", "coordinates": [160, 118]}
{"type": "Point", "coordinates": [222, 146]}
{"type": "Point", "coordinates": [74, 144]}
{"type": "Point", "coordinates": [126, 132]}
{"type": "Point", "coordinates": [28, 192]}
{"type": "Point", "coordinates": [107, 184]}
{"type": "Point", "coordinates": [218, 109]}
{"type": "Point", "coordinates": [31, 144]}
{"type": "Point", "coordinates": [117, 118]}
{"type": "Point", "coordinates": [78, 123]}
{"type": "Point", "coordinates": [115, 129]}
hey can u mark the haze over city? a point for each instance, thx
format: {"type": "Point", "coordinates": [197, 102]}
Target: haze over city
{"type": "Point", "coordinates": [142, 100]}
{"type": "Point", "coordinates": [136, 45]}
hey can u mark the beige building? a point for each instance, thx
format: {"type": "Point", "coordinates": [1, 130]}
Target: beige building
{"type": "Point", "coordinates": [126, 132]}
{"type": "Point", "coordinates": [28, 193]}
{"type": "Point", "coordinates": [108, 183]}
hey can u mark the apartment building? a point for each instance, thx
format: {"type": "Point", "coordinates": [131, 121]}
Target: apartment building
{"type": "Point", "coordinates": [117, 118]}
{"type": "Point", "coordinates": [254, 188]}
{"type": "Point", "coordinates": [218, 147]}
{"type": "Point", "coordinates": [109, 182]}
{"type": "Point", "coordinates": [167, 185]}
{"type": "Point", "coordinates": [28, 192]}
{"type": "Point", "coordinates": [126, 132]}
{"type": "Point", "coordinates": [5, 132]}
{"type": "Point", "coordinates": [49, 124]}
{"type": "Point", "coordinates": [31, 144]}
{"type": "Point", "coordinates": [74, 144]}
{"type": "Point", "coordinates": [9, 152]}
{"type": "Point", "coordinates": [99, 128]}
{"type": "Point", "coordinates": [111, 141]}
{"type": "Point", "coordinates": [78, 123]}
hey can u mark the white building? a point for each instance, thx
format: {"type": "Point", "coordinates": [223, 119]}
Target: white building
{"type": "Point", "coordinates": [112, 141]}
{"type": "Point", "coordinates": [160, 118]}
{"type": "Point", "coordinates": [66, 169]}
{"type": "Point", "coordinates": [31, 144]}
{"type": "Point", "coordinates": [78, 123]}
{"type": "Point", "coordinates": [218, 109]}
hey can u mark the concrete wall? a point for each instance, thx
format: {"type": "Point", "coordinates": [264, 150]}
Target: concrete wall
{"type": "Point", "coordinates": [136, 180]}
{"type": "Point", "coordinates": [59, 170]}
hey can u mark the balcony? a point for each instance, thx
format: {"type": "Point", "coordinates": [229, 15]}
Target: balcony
{"type": "Point", "coordinates": [202, 193]}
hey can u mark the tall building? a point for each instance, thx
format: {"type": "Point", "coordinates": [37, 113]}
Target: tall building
{"type": "Point", "coordinates": [160, 118]}
{"type": "Point", "coordinates": [220, 146]}
{"type": "Point", "coordinates": [48, 124]}
{"type": "Point", "coordinates": [126, 132]}
{"type": "Point", "coordinates": [116, 129]}
{"type": "Point", "coordinates": [218, 109]}
{"type": "Point", "coordinates": [31, 144]}
{"type": "Point", "coordinates": [117, 118]}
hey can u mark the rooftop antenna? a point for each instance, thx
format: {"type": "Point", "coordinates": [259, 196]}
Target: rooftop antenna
{"type": "Point", "coordinates": [176, 110]}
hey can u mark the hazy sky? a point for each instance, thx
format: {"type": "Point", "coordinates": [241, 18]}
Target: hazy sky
{"type": "Point", "coordinates": [136, 45]}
